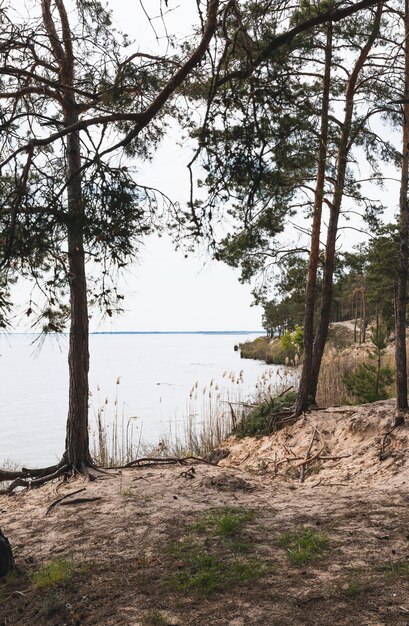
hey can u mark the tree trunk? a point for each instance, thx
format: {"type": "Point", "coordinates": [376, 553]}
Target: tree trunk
{"type": "Point", "coordinates": [310, 293]}
{"type": "Point", "coordinates": [335, 207]}
{"type": "Point", "coordinates": [401, 292]}
{"type": "Point", "coordinates": [77, 439]}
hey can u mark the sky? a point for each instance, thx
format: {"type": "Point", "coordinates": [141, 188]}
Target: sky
{"type": "Point", "coordinates": [163, 290]}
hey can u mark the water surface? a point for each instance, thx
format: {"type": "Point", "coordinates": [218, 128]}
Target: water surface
{"type": "Point", "coordinates": [155, 372]}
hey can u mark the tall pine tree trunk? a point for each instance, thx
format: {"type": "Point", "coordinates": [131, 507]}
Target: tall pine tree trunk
{"type": "Point", "coordinates": [335, 207]}
{"type": "Point", "coordinates": [310, 292]}
{"type": "Point", "coordinates": [401, 291]}
{"type": "Point", "coordinates": [77, 439]}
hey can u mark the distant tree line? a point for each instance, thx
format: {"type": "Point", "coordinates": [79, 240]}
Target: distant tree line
{"type": "Point", "coordinates": [364, 290]}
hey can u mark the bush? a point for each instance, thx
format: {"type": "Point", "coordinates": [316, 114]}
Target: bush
{"type": "Point", "coordinates": [293, 344]}
{"type": "Point", "coordinates": [368, 383]}
{"type": "Point", "coordinates": [261, 420]}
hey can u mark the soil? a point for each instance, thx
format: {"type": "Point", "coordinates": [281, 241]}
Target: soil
{"type": "Point", "coordinates": [122, 567]}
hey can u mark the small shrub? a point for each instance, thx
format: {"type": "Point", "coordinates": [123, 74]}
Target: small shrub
{"type": "Point", "coordinates": [293, 343]}
{"type": "Point", "coordinates": [302, 545]}
{"type": "Point", "coordinates": [264, 418]}
{"type": "Point", "coordinates": [368, 384]}
{"type": "Point", "coordinates": [155, 618]}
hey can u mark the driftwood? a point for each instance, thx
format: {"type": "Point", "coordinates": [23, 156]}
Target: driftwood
{"type": "Point", "coordinates": [31, 478]}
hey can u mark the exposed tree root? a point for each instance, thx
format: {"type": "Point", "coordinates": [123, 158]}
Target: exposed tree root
{"type": "Point", "coordinates": [147, 461]}
{"type": "Point", "coordinates": [31, 478]}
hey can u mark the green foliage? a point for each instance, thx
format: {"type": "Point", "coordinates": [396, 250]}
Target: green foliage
{"type": "Point", "coordinates": [264, 418]}
{"type": "Point", "coordinates": [204, 572]}
{"type": "Point", "coordinates": [302, 544]}
{"type": "Point", "coordinates": [399, 569]}
{"type": "Point", "coordinates": [155, 618]}
{"type": "Point", "coordinates": [353, 589]}
{"type": "Point", "coordinates": [368, 382]}
{"type": "Point", "coordinates": [292, 344]}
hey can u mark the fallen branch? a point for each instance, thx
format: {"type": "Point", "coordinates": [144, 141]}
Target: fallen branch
{"type": "Point", "coordinates": [280, 395]}
{"type": "Point", "coordinates": [303, 463]}
{"type": "Point", "coordinates": [67, 495]}
{"type": "Point", "coordinates": [387, 434]}
{"type": "Point", "coordinates": [310, 459]}
{"type": "Point", "coordinates": [148, 461]}
{"type": "Point", "coordinates": [80, 501]}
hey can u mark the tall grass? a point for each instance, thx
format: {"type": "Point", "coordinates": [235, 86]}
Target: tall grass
{"type": "Point", "coordinates": [115, 436]}
{"type": "Point", "coordinates": [212, 413]}
{"type": "Point", "coordinates": [335, 365]}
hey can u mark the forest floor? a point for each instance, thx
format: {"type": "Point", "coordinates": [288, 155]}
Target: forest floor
{"type": "Point", "coordinates": [242, 543]}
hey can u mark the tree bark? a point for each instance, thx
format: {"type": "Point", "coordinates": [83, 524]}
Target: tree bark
{"type": "Point", "coordinates": [335, 207]}
{"type": "Point", "coordinates": [77, 439]}
{"type": "Point", "coordinates": [401, 290]}
{"type": "Point", "coordinates": [310, 293]}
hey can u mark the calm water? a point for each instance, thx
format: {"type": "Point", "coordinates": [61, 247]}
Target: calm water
{"type": "Point", "coordinates": [156, 374]}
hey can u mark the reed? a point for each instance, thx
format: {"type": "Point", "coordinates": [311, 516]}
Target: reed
{"type": "Point", "coordinates": [115, 437]}
{"type": "Point", "coordinates": [212, 413]}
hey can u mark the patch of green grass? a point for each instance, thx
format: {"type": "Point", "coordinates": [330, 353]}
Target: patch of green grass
{"type": "Point", "coordinates": [353, 589]}
{"type": "Point", "coordinates": [155, 618]}
{"type": "Point", "coordinates": [400, 569]}
{"type": "Point", "coordinates": [129, 493]}
{"type": "Point", "coordinates": [302, 544]}
{"type": "Point", "coordinates": [205, 572]}
{"type": "Point", "coordinates": [57, 572]}
{"type": "Point", "coordinates": [211, 557]}
{"type": "Point", "coordinates": [225, 522]}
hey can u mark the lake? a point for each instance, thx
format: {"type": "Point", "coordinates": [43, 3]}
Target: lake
{"type": "Point", "coordinates": [157, 379]}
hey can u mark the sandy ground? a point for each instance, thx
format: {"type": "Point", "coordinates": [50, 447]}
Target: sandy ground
{"type": "Point", "coordinates": [355, 494]}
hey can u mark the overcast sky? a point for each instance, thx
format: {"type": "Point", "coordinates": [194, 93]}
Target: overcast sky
{"type": "Point", "coordinates": [164, 291]}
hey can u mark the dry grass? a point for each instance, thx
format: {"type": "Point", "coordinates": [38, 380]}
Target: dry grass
{"type": "Point", "coordinates": [213, 413]}
{"type": "Point", "coordinates": [335, 365]}
{"type": "Point", "coordinates": [115, 439]}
